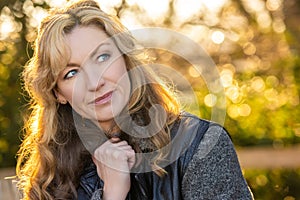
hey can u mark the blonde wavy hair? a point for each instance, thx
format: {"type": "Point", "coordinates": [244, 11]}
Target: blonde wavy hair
{"type": "Point", "coordinates": [50, 135]}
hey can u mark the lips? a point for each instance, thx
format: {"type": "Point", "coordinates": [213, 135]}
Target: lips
{"type": "Point", "coordinates": [103, 99]}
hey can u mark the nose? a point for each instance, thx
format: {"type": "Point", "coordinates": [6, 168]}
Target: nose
{"type": "Point", "coordinates": [94, 79]}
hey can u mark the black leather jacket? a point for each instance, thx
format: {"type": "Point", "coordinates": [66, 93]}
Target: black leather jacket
{"type": "Point", "coordinates": [186, 134]}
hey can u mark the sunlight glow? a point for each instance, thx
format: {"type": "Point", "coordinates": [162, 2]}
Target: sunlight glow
{"type": "Point", "coordinates": [214, 6]}
{"type": "Point", "coordinates": [254, 6]}
{"type": "Point", "coordinates": [217, 37]}
{"type": "Point", "coordinates": [110, 3]}
{"type": "Point", "coordinates": [198, 33]}
{"type": "Point", "coordinates": [187, 8]}
{"type": "Point", "coordinates": [55, 3]}
{"type": "Point", "coordinates": [154, 8]}
{"type": "Point", "coordinates": [108, 6]}
{"type": "Point", "coordinates": [6, 27]}
{"type": "Point", "coordinates": [129, 20]}
{"type": "Point", "coordinates": [38, 13]}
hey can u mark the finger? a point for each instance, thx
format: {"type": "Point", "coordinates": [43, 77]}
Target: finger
{"type": "Point", "coordinates": [114, 140]}
{"type": "Point", "coordinates": [121, 143]}
{"type": "Point", "coordinates": [104, 149]}
{"type": "Point", "coordinates": [125, 148]}
{"type": "Point", "coordinates": [108, 143]}
{"type": "Point", "coordinates": [94, 159]}
{"type": "Point", "coordinates": [131, 158]}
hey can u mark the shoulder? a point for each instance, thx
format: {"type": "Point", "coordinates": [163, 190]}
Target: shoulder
{"type": "Point", "coordinates": [192, 127]}
{"type": "Point", "coordinates": [197, 136]}
{"type": "Point", "coordinates": [188, 120]}
{"type": "Point", "coordinates": [207, 137]}
{"type": "Point", "coordinates": [188, 123]}
{"type": "Point", "coordinates": [216, 140]}
{"type": "Point", "coordinates": [187, 117]}
{"type": "Point", "coordinates": [213, 169]}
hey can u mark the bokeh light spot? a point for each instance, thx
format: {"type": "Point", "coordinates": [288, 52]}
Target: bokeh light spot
{"type": "Point", "coordinates": [193, 72]}
{"type": "Point", "coordinates": [273, 5]}
{"type": "Point", "coordinates": [261, 180]}
{"type": "Point", "coordinates": [4, 73]}
{"type": "Point", "coordinates": [244, 110]}
{"type": "Point", "coordinates": [3, 145]}
{"type": "Point", "coordinates": [272, 81]}
{"type": "Point", "coordinates": [232, 93]}
{"type": "Point", "coordinates": [226, 77]}
{"type": "Point", "coordinates": [278, 26]}
{"type": "Point", "coordinates": [249, 48]}
{"type": "Point", "coordinates": [210, 100]}
{"type": "Point", "coordinates": [271, 94]}
{"type": "Point", "coordinates": [264, 20]}
{"type": "Point", "coordinates": [257, 84]}
{"type": "Point", "coordinates": [232, 111]}
{"type": "Point", "coordinates": [217, 37]}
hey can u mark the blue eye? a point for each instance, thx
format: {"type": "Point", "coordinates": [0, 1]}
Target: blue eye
{"type": "Point", "coordinates": [71, 73]}
{"type": "Point", "coordinates": [103, 57]}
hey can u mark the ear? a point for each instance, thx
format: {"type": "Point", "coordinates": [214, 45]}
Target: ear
{"type": "Point", "coordinates": [59, 97]}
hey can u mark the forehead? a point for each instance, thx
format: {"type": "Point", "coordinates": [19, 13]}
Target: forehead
{"type": "Point", "coordinates": [83, 40]}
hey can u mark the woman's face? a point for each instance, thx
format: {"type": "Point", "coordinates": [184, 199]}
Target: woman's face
{"type": "Point", "coordinates": [95, 81]}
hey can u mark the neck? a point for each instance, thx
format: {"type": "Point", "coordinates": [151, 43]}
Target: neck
{"type": "Point", "coordinates": [110, 128]}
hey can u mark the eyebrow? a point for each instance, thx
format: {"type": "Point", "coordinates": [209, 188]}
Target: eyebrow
{"type": "Point", "coordinates": [91, 54]}
{"type": "Point", "coordinates": [72, 65]}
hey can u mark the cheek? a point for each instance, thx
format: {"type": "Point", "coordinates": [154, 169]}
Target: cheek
{"type": "Point", "coordinates": [72, 92]}
{"type": "Point", "coordinates": [118, 74]}
{"type": "Point", "coordinates": [78, 92]}
{"type": "Point", "coordinates": [119, 71]}
{"type": "Point", "coordinates": [122, 79]}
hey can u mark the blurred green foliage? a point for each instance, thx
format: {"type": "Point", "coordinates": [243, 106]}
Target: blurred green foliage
{"type": "Point", "coordinates": [255, 45]}
{"type": "Point", "coordinates": [274, 184]}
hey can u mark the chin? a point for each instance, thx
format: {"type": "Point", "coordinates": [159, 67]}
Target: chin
{"type": "Point", "coordinates": [105, 119]}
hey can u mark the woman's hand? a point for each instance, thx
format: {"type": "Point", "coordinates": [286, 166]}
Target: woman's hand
{"type": "Point", "coordinates": [114, 159]}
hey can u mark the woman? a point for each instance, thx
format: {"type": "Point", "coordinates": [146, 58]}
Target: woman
{"type": "Point", "coordinates": [103, 126]}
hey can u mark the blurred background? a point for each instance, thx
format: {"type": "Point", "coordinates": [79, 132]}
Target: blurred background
{"type": "Point", "coordinates": [255, 46]}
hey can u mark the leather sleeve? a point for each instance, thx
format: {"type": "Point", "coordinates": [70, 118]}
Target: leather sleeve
{"type": "Point", "coordinates": [97, 195]}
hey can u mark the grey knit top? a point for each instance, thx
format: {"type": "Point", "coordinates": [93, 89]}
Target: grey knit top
{"type": "Point", "coordinates": [214, 172]}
